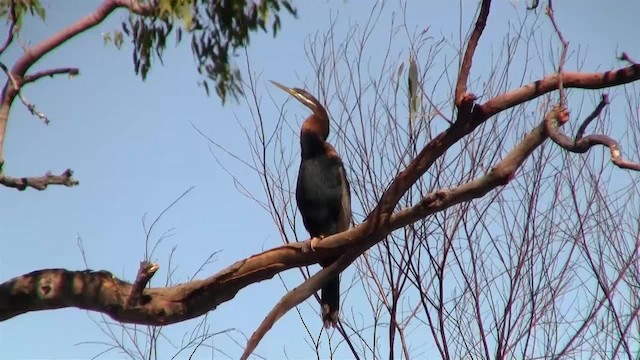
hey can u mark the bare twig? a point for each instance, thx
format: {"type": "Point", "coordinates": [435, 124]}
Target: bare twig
{"type": "Point", "coordinates": [563, 54]}
{"type": "Point", "coordinates": [18, 85]}
{"type": "Point", "coordinates": [39, 183]}
{"type": "Point", "coordinates": [50, 73]}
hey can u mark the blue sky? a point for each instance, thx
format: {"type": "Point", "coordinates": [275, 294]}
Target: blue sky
{"type": "Point", "coordinates": [134, 150]}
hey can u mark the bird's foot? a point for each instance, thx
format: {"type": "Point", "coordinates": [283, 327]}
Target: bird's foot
{"type": "Point", "coordinates": [311, 243]}
{"type": "Point", "coordinates": [329, 318]}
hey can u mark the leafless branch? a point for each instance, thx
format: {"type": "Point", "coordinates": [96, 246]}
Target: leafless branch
{"type": "Point", "coordinates": [467, 60]}
{"type": "Point", "coordinates": [583, 144]}
{"type": "Point", "coordinates": [39, 183]}
{"type": "Point", "coordinates": [50, 73]}
{"type": "Point", "coordinates": [31, 107]}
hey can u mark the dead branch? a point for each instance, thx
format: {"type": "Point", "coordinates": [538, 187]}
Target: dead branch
{"type": "Point", "coordinates": [582, 144]}
{"type": "Point", "coordinates": [40, 182]}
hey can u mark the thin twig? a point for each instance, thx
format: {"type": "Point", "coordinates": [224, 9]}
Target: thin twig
{"type": "Point", "coordinates": [563, 54]}
{"type": "Point", "coordinates": [17, 86]}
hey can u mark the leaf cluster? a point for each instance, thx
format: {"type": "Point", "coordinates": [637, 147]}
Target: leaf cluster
{"type": "Point", "coordinates": [217, 29]}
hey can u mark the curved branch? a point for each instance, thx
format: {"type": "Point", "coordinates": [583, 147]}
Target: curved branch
{"type": "Point", "coordinates": [583, 144]}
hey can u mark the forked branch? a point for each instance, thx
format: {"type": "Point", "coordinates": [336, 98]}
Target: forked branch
{"type": "Point", "coordinates": [582, 144]}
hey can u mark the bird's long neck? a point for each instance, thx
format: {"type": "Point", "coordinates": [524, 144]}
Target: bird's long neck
{"type": "Point", "coordinates": [314, 133]}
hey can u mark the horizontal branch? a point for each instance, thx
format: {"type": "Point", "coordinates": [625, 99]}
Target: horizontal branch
{"type": "Point", "coordinates": [550, 83]}
{"type": "Point", "coordinates": [39, 182]}
{"type": "Point", "coordinates": [50, 73]}
{"type": "Point", "coordinates": [101, 291]}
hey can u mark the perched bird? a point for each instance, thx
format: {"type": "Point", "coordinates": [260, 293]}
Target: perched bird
{"type": "Point", "coordinates": [322, 192]}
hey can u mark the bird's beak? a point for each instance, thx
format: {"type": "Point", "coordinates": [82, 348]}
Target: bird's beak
{"type": "Point", "coordinates": [284, 88]}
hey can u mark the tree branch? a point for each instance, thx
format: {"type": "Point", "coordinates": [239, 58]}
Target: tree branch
{"type": "Point", "coordinates": [578, 80]}
{"type": "Point", "coordinates": [467, 60]}
{"type": "Point", "coordinates": [50, 73]}
{"type": "Point", "coordinates": [38, 183]}
{"type": "Point", "coordinates": [582, 144]}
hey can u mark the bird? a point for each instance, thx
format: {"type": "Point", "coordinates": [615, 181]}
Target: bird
{"type": "Point", "coordinates": [323, 193]}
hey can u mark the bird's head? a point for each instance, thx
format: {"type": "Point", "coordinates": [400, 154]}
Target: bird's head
{"type": "Point", "coordinates": [303, 96]}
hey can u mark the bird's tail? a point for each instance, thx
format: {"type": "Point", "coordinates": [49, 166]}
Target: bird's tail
{"type": "Point", "coordinates": [330, 302]}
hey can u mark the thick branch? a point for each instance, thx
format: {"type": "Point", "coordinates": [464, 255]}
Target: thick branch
{"type": "Point", "coordinates": [550, 83]}
{"type": "Point", "coordinates": [500, 174]}
{"type": "Point", "coordinates": [40, 182]}
{"type": "Point", "coordinates": [101, 291]}
{"type": "Point", "coordinates": [467, 60]}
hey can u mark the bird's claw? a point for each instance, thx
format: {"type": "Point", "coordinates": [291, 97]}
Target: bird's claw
{"type": "Point", "coordinates": [311, 243]}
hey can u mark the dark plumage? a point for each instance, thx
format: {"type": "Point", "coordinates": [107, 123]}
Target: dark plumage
{"type": "Point", "coordinates": [322, 192]}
